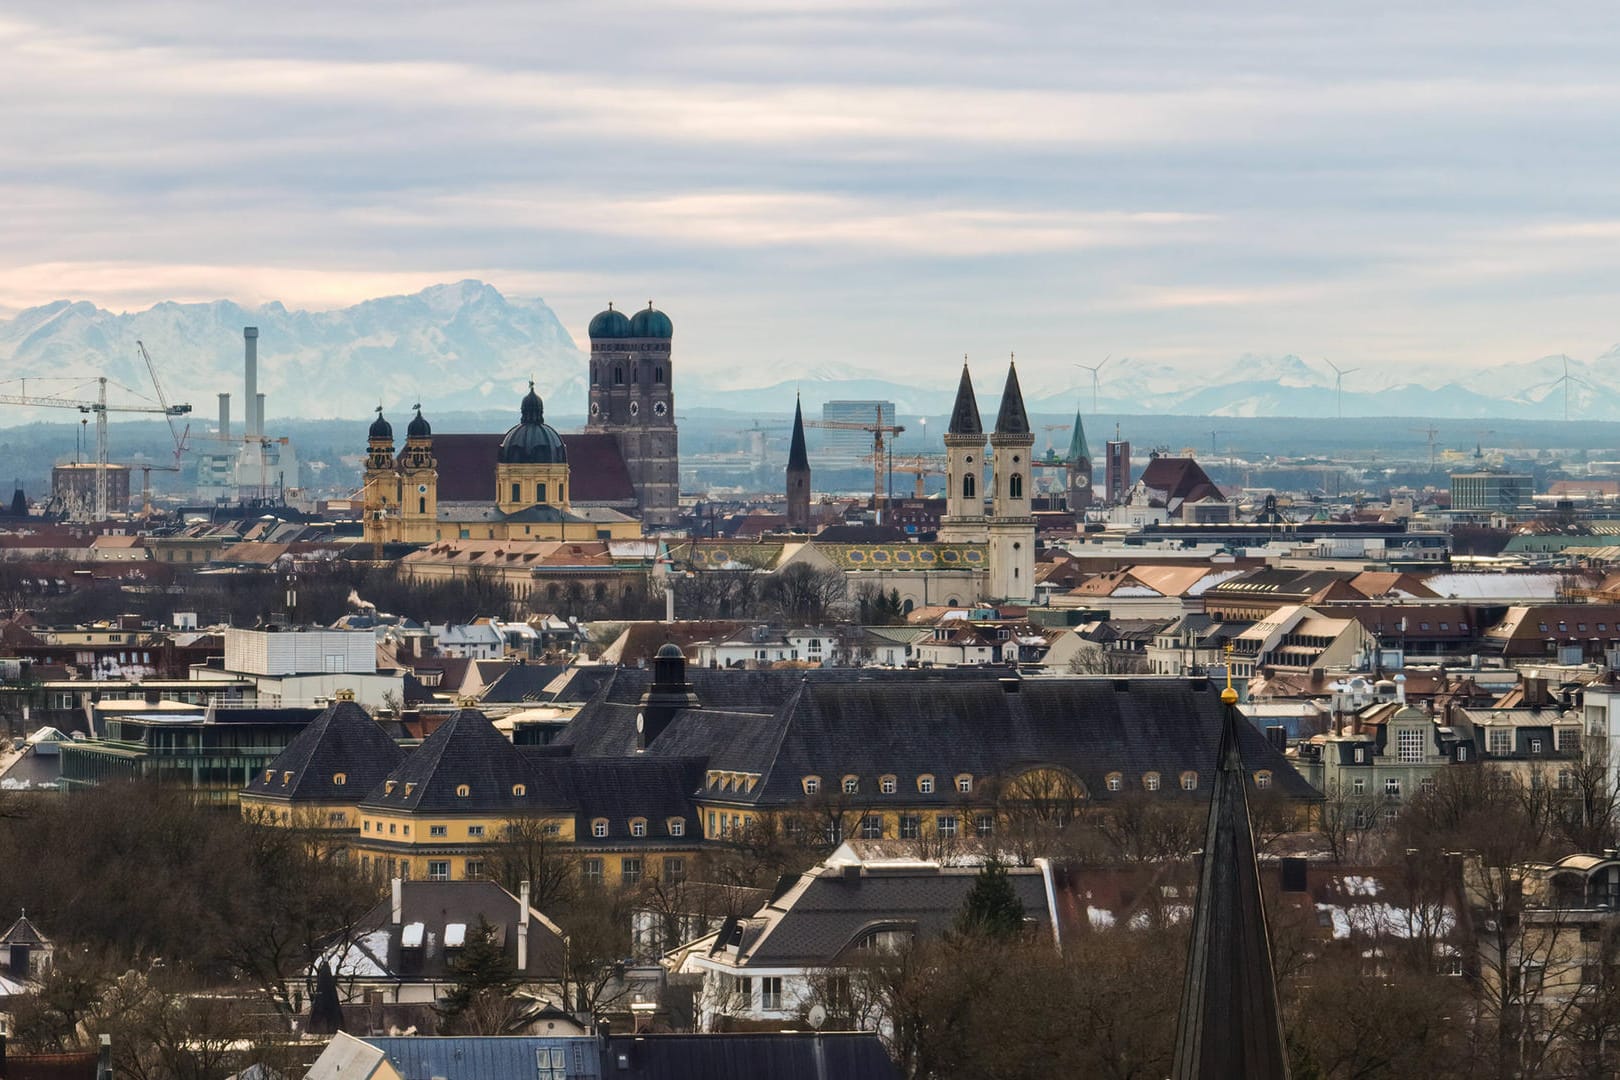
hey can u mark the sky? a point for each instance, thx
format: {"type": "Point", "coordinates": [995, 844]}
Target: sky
{"type": "Point", "coordinates": [825, 183]}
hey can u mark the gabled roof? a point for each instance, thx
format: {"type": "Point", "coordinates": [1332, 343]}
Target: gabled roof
{"type": "Point", "coordinates": [343, 740]}
{"type": "Point", "coordinates": [522, 682]}
{"type": "Point", "coordinates": [965, 413]}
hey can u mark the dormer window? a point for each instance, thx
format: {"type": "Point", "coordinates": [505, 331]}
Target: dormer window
{"type": "Point", "coordinates": [286, 778]}
{"type": "Point", "coordinates": [599, 828]}
{"type": "Point", "coordinates": [886, 785]}
{"type": "Point", "coordinates": [1189, 781]}
{"type": "Point", "coordinates": [519, 790]}
{"type": "Point", "coordinates": [925, 784]}
{"type": "Point", "coordinates": [462, 790]}
{"type": "Point", "coordinates": [1262, 779]}
{"type": "Point", "coordinates": [339, 779]}
{"type": "Point", "coordinates": [964, 784]}
{"type": "Point", "coordinates": [676, 826]}
{"type": "Point", "coordinates": [852, 785]}
{"type": "Point", "coordinates": [638, 826]}
{"type": "Point", "coordinates": [388, 788]}
{"type": "Point", "coordinates": [269, 775]}
{"type": "Point", "coordinates": [1114, 781]}
{"type": "Point", "coordinates": [812, 785]}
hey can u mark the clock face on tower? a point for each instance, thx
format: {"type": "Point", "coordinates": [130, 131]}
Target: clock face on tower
{"type": "Point", "coordinates": [596, 408]}
{"type": "Point", "coordinates": [659, 408]}
{"type": "Point", "coordinates": [421, 489]}
{"type": "Point", "coordinates": [635, 408]}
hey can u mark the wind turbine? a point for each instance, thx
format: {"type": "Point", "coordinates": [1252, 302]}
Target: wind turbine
{"type": "Point", "coordinates": [1338, 381]}
{"type": "Point", "coordinates": [1566, 378]}
{"type": "Point", "coordinates": [1094, 368]}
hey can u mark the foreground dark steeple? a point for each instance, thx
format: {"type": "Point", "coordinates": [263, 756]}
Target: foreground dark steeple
{"type": "Point", "coordinates": [965, 413]}
{"type": "Point", "coordinates": [1230, 1025]}
{"type": "Point", "coordinates": [798, 476]}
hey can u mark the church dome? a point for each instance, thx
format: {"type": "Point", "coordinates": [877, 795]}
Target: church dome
{"type": "Point", "coordinates": [651, 323]}
{"type": "Point", "coordinates": [418, 428]}
{"type": "Point", "coordinates": [611, 324]}
{"type": "Point", "coordinates": [533, 441]}
{"type": "Point", "coordinates": [380, 428]}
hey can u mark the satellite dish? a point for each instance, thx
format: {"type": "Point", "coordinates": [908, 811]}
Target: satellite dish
{"type": "Point", "coordinates": [818, 1016]}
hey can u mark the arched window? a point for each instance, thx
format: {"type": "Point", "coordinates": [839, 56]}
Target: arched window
{"type": "Point", "coordinates": [339, 779]}
{"type": "Point", "coordinates": [658, 374]}
{"type": "Point", "coordinates": [969, 488]}
{"type": "Point", "coordinates": [618, 374]}
{"type": "Point", "coordinates": [421, 504]}
{"type": "Point", "coordinates": [520, 790]}
{"type": "Point", "coordinates": [1115, 781]}
{"type": "Point", "coordinates": [1015, 486]}
{"type": "Point", "coordinates": [462, 791]}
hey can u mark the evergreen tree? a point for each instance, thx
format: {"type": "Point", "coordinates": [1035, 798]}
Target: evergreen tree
{"type": "Point", "coordinates": [992, 909]}
{"type": "Point", "coordinates": [19, 504]}
{"type": "Point", "coordinates": [482, 972]}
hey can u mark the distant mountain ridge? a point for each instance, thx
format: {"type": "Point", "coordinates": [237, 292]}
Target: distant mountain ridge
{"type": "Point", "coordinates": [466, 347]}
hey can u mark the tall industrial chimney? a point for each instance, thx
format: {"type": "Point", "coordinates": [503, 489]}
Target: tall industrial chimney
{"type": "Point", "coordinates": [258, 414]}
{"type": "Point", "coordinates": [224, 416]}
{"type": "Point", "coordinates": [250, 344]}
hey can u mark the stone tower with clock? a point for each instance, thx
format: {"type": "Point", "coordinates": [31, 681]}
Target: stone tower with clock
{"type": "Point", "coordinates": [632, 398]}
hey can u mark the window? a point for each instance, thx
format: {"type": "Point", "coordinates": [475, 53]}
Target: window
{"type": "Point", "coordinates": [1569, 740]}
{"type": "Point", "coordinates": [550, 1063]}
{"type": "Point", "coordinates": [1392, 787]}
{"type": "Point", "coordinates": [462, 791]}
{"type": "Point", "coordinates": [945, 825]}
{"type": "Point", "coordinates": [339, 779]}
{"type": "Point", "coordinates": [475, 869]}
{"type": "Point", "coordinates": [1501, 741]}
{"type": "Point", "coordinates": [852, 785]}
{"type": "Point", "coordinates": [1409, 744]}
{"type": "Point", "coordinates": [438, 870]}
{"type": "Point", "coordinates": [438, 830]}
{"type": "Point", "coordinates": [1535, 746]}
{"type": "Point", "coordinates": [871, 827]}
{"type": "Point", "coordinates": [590, 870]}
{"type": "Point", "coordinates": [1360, 755]}
{"type": "Point", "coordinates": [1189, 781]}
{"type": "Point", "coordinates": [658, 374]}
{"type": "Point", "coordinates": [630, 871]}
{"type": "Point", "coordinates": [1115, 781]}
{"type": "Point", "coordinates": [1150, 781]}
{"type": "Point", "coordinates": [964, 784]}
{"type": "Point", "coordinates": [365, 826]}
{"type": "Point", "coordinates": [1358, 786]}
{"type": "Point", "coordinates": [969, 487]}
{"type": "Point", "coordinates": [618, 375]}
{"type": "Point", "coordinates": [1015, 486]}
{"type": "Point", "coordinates": [770, 992]}
{"type": "Point", "coordinates": [392, 828]}
{"type": "Point", "coordinates": [910, 826]}
{"type": "Point", "coordinates": [475, 831]}
{"type": "Point", "coordinates": [638, 827]}
{"type": "Point", "coordinates": [674, 869]}
{"type": "Point", "coordinates": [1426, 784]}
{"type": "Point", "coordinates": [517, 491]}
{"type": "Point", "coordinates": [812, 785]}
{"type": "Point", "coordinates": [540, 493]}
{"type": "Point", "coordinates": [1262, 779]}
{"type": "Point", "coordinates": [711, 824]}
{"type": "Point", "coordinates": [984, 824]}
{"type": "Point", "coordinates": [886, 785]}
{"type": "Point", "coordinates": [1566, 780]}
{"type": "Point", "coordinates": [925, 784]}
{"type": "Point", "coordinates": [519, 790]}
{"type": "Point", "coordinates": [676, 826]}
{"type": "Point", "coordinates": [599, 828]}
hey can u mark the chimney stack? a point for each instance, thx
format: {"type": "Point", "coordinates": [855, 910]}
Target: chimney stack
{"type": "Point", "coordinates": [523, 929]}
{"type": "Point", "coordinates": [258, 415]}
{"type": "Point", "coordinates": [399, 901]}
{"type": "Point", "coordinates": [224, 416]}
{"type": "Point", "coordinates": [250, 363]}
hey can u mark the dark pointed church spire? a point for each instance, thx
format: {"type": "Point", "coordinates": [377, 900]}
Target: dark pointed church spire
{"type": "Point", "coordinates": [1011, 418]}
{"type": "Point", "coordinates": [965, 413]}
{"type": "Point", "coordinates": [797, 458]}
{"type": "Point", "coordinates": [1230, 1024]}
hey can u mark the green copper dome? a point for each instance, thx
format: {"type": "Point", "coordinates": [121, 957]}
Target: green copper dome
{"type": "Point", "coordinates": [651, 323]}
{"type": "Point", "coordinates": [611, 324]}
{"type": "Point", "coordinates": [532, 441]}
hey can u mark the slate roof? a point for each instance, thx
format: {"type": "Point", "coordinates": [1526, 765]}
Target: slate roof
{"type": "Point", "coordinates": [829, 909]}
{"type": "Point", "coordinates": [23, 932]}
{"type": "Point", "coordinates": [798, 460]}
{"type": "Point", "coordinates": [786, 725]}
{"type": "Point", "coordinates": [523, 682]}
{"type": "Point", "coordinates": [778, 1055]}
{"type": "Point", "coordinates": [342, 739]}
{"type": "Point", "coordinates": [1180, 479]}
{"type": "Point", "coordinates": [465, 749]}
{"type": "Point", "coordinates": [436, 904]}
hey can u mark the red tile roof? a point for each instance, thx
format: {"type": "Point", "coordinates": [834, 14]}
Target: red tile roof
{"type": "Point", "coordinates": [596, 469]}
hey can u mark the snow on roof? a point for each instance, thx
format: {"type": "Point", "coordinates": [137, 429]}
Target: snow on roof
{"type": "Point", "coordinates": [1496, 586]}
{"type": "Point", "coordinates": [411, 938]}
{"type": "Point", "coordinates": [455, 935]}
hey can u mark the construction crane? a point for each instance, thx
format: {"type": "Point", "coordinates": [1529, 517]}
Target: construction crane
{"type": "Point", "coordinates": [1051, 443]}
{"type": "Point", "coordinates": [99, 409]}
{"type": "Point", "coordinates": [878, 429]}
{"type": "Point", "coordinates": [921, 468]}
{"type": "Point", "coordinates": [147, 469]}
{"type": "Point", "coordinates": [180, 437]}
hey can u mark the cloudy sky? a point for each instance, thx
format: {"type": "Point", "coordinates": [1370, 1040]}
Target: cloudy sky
{"type": "Point", "coordinates": [838, 183]}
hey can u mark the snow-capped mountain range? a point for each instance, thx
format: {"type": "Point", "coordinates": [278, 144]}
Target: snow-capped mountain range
{"type": "Point", "coordinates": [465, 346]}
